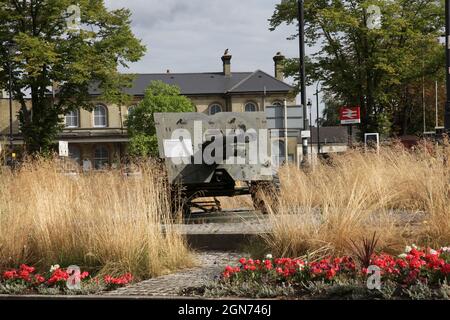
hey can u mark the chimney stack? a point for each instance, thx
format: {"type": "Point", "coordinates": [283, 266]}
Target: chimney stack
{"type": "Point", "coordinates": [226, 58]}
{"type": "Point", "coordinates": [279, 66]}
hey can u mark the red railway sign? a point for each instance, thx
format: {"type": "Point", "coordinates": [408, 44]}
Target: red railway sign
{"type": "Point", "coordinates": [350, 115]}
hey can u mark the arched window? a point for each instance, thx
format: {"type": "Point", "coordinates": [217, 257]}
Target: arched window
{"type": "Point", "coordinates": [131, 109]}
{"type": "Point", "coordinates": [100, 116]}
{"type": "Point", "coordinates": [215, 108]}
{"type": "Point", "coordinates": [72, 119]}
{"type": "Point", "coordinates": [101, 157]}
{"type": "Point", "coordinates": [277, 103]}
{"type": "Point", "coordinates": [250, 107]}
{"type": "Point", "coordinates": [75, 153]}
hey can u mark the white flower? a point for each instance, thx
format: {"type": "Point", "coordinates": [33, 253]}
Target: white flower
{"type": "Point", "coordinates": [414, 246]}
{"type": "Point", "coordinates": [269, 256]}
{"type": "Point", "coordinates": [55, 267]}
{"type": "Point", "coordinates": [433, 252]}
{"type": "Point", "coordinates": [446, 249]}
{"type": "Point", "coordinates": [408, 249]}
{"type": "Point", "coordinates": [402, 256]}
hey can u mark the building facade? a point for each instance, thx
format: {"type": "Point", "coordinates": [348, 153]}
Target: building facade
{"type": "Point", "coordinates": [98, 138]}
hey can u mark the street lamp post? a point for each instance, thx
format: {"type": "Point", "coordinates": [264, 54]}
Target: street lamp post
{"type": "Point", "coordinates": [447, 49]}
{"type": "Point", "coordinates": [310, 124]}
{"type": "Point", "coordinates": [10, 46]}
{"type": "Point", "coordinates": [318, 122]}
{"type": "Point", "coordinates": [301, 36]}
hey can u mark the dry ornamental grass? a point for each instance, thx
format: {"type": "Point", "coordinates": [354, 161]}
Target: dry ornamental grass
{"type": "Point", "coordinates": [402, 195]}
{"type": "Point", "coordinates": [102, 221]}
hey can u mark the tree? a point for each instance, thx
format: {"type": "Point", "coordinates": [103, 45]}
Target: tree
{"type": "Point", "coordinates": [374, 66]}
{"type": "Point", "coordinates": [330, 116]}
{"type": "Point", "coordinates": [53, 47]}
{"type": "Point", "coordinates": [159, 97]}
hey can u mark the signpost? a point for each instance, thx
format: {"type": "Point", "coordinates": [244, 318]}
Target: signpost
{"type": "Point", "coordinates": [350, 116]}
{"type": "Point", "coordinates": [372, 141]}
{"type": "Point", "coordinates": [63, 149]}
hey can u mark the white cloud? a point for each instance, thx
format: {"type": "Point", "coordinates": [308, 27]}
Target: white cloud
{"type": "Point", "coordinates": [191, 36]}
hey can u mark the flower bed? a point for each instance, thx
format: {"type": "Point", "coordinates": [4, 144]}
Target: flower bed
{"type": "Point", "coordinates": [57, 280]}
{"type": "Point", "coordinates": [425, 268]}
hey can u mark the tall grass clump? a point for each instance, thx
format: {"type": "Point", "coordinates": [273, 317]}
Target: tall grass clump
{"type": "Point", "coordinates": [103, 221]}
{"type": "Point", "coordinates": [401, 195]}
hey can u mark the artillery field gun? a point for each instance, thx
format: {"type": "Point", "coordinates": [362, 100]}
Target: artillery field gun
{"type": "Point", "coordinates": [226, 154]}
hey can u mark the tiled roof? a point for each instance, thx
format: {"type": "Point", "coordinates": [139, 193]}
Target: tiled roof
{"type": "Point", "coordinates": [209, 83]}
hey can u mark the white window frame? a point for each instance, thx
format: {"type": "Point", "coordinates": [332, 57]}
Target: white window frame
{"type": "Point", "coordinates": [214, 105]}
{"type": "Point", "coordinates": [103, 159]}
{"type": "Point", "coordinates": [74, 114]}
{"type": "Point", "coordinates": [278, 103]}
{"type": "Point", "coordinates": [253, 104]}
{"type": "Point", "coordinates": [106, 116]}
{"type": "Point", "coordinates": [130, 109]}
{"type": "Point", "coordinates": [72, 154]}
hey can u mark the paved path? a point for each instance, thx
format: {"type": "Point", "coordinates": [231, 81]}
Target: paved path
{"type": "Point", "coordinates": [211, 264]}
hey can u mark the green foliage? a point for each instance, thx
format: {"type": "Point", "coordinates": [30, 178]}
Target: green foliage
{"type": "Point", "coordinates": [142, 145]}
{"type": "Point", "coordinates": [159, 97]}
{"type": "Point", "coordinates": [47, 52]}
{"type": "Point", "coordinates": [253, 289]}
{"type": "Point", "coordinates": [378, 69]}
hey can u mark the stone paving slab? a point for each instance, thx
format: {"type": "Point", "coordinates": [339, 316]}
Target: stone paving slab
{"type": "Point", "coordinates": [211, 264]}
{"type": "Point", "coordinates": [247, 227]}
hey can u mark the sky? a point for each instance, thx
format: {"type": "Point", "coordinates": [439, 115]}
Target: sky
{"type": "Point", "coordinates": [191, 36]}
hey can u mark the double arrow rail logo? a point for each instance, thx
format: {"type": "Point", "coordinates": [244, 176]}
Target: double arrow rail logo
{"type": "Point", "coordinates": [349, 114]}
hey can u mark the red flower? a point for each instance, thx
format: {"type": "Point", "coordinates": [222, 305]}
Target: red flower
{"type": "Point", "coordinates": [24, 275]}
{"type": "Point", "coordinates": [331, 274]}
{"type": "Point", "coordinates": [242, 261]}
{"type": "Point", "coordinates": [415, 264]}
{"type": "Point", "coordinates": [123, 280]}
{"type": "Point", "coordinates": [26, 268]}
{"type": "Point", "coordinates": [12, 274]}
{"type": "Point", "coordinates": [316, 270]}
{"type": "Point", "coordinates": [401, 263]}
{"type": "Point", "coordinates": [446, 268]}
{"type": "Point", "coordinates": [229, 269]}
{"type": "Point", "coordinates": [39, 279]}
{"type": "Point", "coordinates": [58, 275]}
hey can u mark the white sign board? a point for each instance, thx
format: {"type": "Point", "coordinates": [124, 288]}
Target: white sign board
{"type": "Point", "coordinates": [63, 149]}
{"type": "Point", "coordinates": [372, 141]}
{"type": "Point", "coordinates": [306, 134]}
{"type": "Point", "coordinates": [175, 148]}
